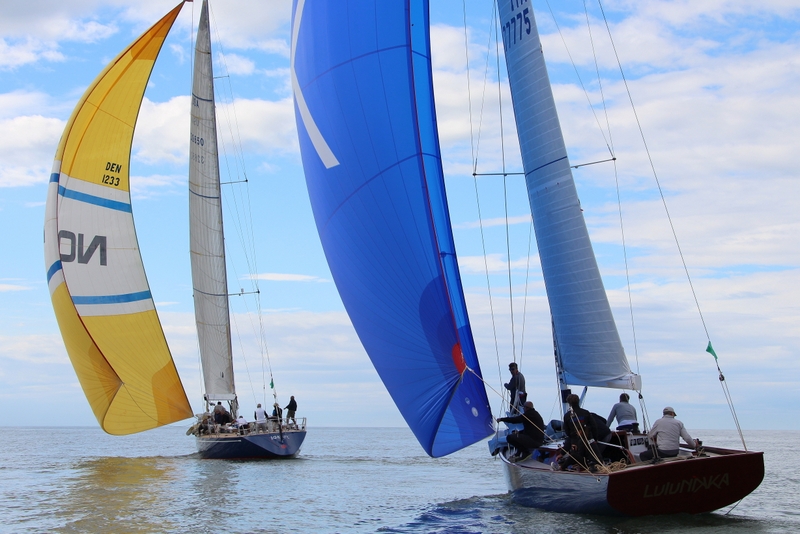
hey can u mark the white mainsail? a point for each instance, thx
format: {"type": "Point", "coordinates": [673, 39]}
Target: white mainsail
{"type": "Point", "coordinates": [587, 342]}
{"type": "Point", "coordinates": [209, 274]}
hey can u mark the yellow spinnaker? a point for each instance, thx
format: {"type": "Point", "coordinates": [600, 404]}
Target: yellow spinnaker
{"type": "Point", "coordinates": [95, 273]}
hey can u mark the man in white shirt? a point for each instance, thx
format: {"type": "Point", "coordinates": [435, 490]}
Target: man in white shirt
{"type": "Point", "coordinates": [261, 418]}
{"type": "Point", "coordinates": [242, 424]}
{"type": "Point", "coordinates": [665, 437]}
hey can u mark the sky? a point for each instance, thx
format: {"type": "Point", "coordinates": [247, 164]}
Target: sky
{"type": "Point", "coordinates": [714, 90]}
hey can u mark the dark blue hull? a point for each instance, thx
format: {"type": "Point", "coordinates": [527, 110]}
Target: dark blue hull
{"type": "Point", "coordinates": [256, 445]}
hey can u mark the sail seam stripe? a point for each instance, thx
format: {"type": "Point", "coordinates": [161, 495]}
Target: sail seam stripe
{"type": "Point", "coordinates": [53, 270]}
{"type": "Point", "coordinates": [369, 181]}
{"type": "Point", "coordinates": [545, 165]}
{"type": "Point", "coordinates": [373, 177]}
{"type": "Point", "coordinates": [351, 60]}
{"type": "Point", "coordinates": [54, 177]}
{"type": "Point", "coordinates": [201, 98]}
{"type": "Point", "coordinates": [204, 196]}
{"type": "Point", "coordinates": [211, 294]}
{"type": "Point", "coordinates": [91, 199]}
{"type": "Point", "coordinates": [111, 299]}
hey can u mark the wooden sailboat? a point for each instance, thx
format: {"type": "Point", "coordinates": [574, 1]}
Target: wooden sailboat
{"type": "Point", "coordinates": [95, 274]}
{"type": "Point", "coordinates": [587, 346]}
{"type": "Point", "coordinates": [367, 126]}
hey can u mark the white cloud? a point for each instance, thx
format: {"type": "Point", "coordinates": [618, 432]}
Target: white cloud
{"type": "Point", "coordinates": [27, 147]}
{"type": "Point", "coordinates": [262, 125]}
{"type": "Point", "coordinates": [495, 263]}
{"type": "Point", "coordinates": [20, 103]}
{"type": "Point", "coordinates": [14, 54]}
{"type": "Point", "coordinates": [13, 287]}
{"type": "Point", "coordinates": [32, 32]}
{"type": "Point", "coordinates": [156, 184]}
{"type": "Point", "coordinates": [236, 64]}
{"type": "Point", "coordinates": [279, 277]}
{"type": "Point", "coordinates": [244, 25]}
{"type": "Point", "coordinates": [162, 131]}
{"type": "Point", "coordinates": [497, 221]}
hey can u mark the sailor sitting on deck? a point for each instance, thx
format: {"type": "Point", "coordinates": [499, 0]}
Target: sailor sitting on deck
{"type": "Point", "coordinates": [206, 425]}
{"type": "Point", "coordinates": [241, 424]}
{"type": "Point", "coordinates": [665, 437]}
{"type": "Point", "coordinates": [221, 415]}
{"type": "Point", "coordinates": [531, 437]}
{"type": "Point", "coordinates": [581, 430]}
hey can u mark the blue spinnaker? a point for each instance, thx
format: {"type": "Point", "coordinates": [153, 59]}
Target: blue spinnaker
{"type": "Point", "coordinates": [362, 79]}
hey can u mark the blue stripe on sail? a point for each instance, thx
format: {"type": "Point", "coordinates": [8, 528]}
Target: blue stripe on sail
{"type": "Point", "coordinates": [112, 299]}
{"type": "Point", "coordinates": [91, 199]}
{"type": "Point", "coordinates": [54, 177]}
{"type": "Point", "coordinates": [53, 270]}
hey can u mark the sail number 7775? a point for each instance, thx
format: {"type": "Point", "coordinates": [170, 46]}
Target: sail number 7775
{"type": "Point", "coordinates": [518, 25]}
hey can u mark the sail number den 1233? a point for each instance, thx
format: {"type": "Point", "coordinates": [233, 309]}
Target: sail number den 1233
{"type": "Point", "coordinates": [519, 25]}
{"type": "Point", "coordinates": [110, 179]}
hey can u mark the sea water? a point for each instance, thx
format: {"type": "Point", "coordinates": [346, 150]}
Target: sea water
{"type": "Point", "coordinates": [345, 480]}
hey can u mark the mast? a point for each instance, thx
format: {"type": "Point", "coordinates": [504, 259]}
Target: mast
{"type": "Point", "coordinates": [209, 272]}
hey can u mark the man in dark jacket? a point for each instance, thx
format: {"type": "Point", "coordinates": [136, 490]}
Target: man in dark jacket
{"type": "Point", "coordinates": [531, 437]}
{"type": "Point", "coordinates": [516, 386]}
{"type": "Point", "coordinates": [290, 409]}
{"type": "Point", "coordinates": [581, 431]}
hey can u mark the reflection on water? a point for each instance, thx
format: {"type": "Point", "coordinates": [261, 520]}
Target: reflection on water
{"type": "Point", "coordinates": [151, 494]}
{"type": "Point", "coordinates": [215, 485]}
{"type": "Point", "coordinates": [103, 490]}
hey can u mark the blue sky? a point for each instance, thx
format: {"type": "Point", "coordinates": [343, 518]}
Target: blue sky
{"type": "Point", "coordinates": [714, 85]}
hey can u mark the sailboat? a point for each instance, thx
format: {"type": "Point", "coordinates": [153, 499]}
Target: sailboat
{"type": "Point", "coordinates": [96, 277]}
{"type": "Point", "coordinates": [210, 281]}
{"type": "Point", "coordinates": [362, 80]}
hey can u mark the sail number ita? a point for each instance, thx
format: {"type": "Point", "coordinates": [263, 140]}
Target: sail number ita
{"type": "Point", "coordinates": [199, 141]}
{"type": "Point", "coordinates": [518, 26]}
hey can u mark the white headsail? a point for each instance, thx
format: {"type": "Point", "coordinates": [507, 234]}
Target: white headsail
{"type": "Point", "coordinates": [586, 337]}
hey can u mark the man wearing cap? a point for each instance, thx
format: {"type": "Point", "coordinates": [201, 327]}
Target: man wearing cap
{"type": "Point", "coordinates": [517, 388]}
{"type": "Point", "coordinates": [665, 437]}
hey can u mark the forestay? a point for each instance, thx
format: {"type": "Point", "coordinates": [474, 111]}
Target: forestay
{"type": "Point", "coordinates": [361, 75]}
{"type": "Point", "coordinates": [97, 282]}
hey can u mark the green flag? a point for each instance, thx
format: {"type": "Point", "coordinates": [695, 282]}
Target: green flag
{"type": "Point", "coordinates": [710, 349]}
{"type": "Point", "coordinates": [272, 384]}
